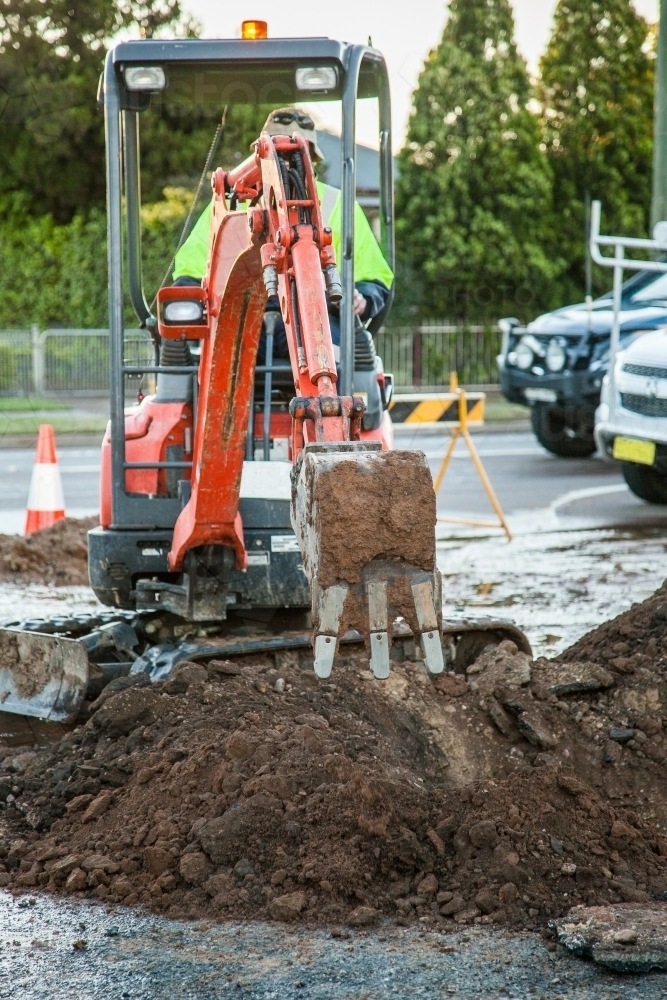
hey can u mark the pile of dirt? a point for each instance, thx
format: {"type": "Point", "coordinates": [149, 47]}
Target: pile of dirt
{"type": "Point", "coordinates": [635, 639]}
{"type": "Point", "coordinates": [251, 789]}
{"type": "Point", "coordinates": [54, 556]}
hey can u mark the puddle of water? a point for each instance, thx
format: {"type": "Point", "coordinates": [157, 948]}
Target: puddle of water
{"type": "Point", "coordinates": [555, 585]}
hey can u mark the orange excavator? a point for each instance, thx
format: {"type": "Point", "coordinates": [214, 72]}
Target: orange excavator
{"type": "Point", "coordinates": [237, 497]}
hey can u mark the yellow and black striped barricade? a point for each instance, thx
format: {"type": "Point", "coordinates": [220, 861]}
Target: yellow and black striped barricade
{"type": "Point", "coordinates": [436, 409]}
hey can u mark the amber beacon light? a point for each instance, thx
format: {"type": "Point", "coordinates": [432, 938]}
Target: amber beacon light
{"type": "Point", "coordinates": [254, 29]}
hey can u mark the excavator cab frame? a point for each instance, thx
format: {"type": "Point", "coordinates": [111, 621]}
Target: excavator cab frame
{"type": "Point", "coordinates": [263, 67]}
{"type": "Point", "coordinates": [139, 513]}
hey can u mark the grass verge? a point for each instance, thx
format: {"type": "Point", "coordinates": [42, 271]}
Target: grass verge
{"type": "Point", "coordinates": [26, 404]}
{"type": "Point", "coordinates": [61, 425]}
{"type": "Point", "coordinates": [500, 409]}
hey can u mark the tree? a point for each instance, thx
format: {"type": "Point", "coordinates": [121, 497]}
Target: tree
{"type": "Point", "coordinates": [474, 188]}
{"type": "Point", "coordinates": [51, 56]}
{"type": "Point", "coordinates": [597, 96]}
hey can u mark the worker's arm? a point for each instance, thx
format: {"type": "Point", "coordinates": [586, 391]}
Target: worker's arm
{"type": "Point", "coordinates": [372, 275]}
{"type": "Point", "coordinates": [192, 257]}
{"type": "Point", "coordinates": [370, 298]}
{"type": "Point", "coordinates": [369, 262]}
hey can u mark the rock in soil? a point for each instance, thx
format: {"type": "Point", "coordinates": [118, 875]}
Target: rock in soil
{"type": "Point", "coordinates": [623, 938]}
{"type": "Point", "coordinates": [258, 791]}
{"type": "Point", "coordinates": [55, 556]}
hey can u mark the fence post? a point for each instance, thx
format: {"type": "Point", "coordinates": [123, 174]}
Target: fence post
{"type": "Point", "coordinates": [417, 358]}
{"type": "Point", "coordinates": [37, 359]}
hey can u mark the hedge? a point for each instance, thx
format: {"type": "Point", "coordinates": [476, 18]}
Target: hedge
{"type": "Point", "coordinates": [56, 275]}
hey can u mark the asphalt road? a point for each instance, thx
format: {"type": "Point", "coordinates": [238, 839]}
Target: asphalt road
{"type": "Point", "coordinates": [531, 485]}
{"type": "Point", "coordinates": [535, 488]}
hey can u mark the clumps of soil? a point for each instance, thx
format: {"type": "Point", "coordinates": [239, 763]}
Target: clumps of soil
{"type": "Point", "coordinates": [55, 556]}
{"type": "Point", "coordinates": [249, 789]}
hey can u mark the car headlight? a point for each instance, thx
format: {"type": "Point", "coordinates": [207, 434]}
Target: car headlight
{"type": "Point", "coordinates": [556, 356]}
{"type": "Point", "coordinates": [524, 356]}
{"type": "Point", "coordinates": [183, 311]}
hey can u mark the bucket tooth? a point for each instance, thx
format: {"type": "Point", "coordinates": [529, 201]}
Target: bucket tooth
{"type": "Point", "coordinates": [377, 625]}
{"type": "Point", "coordinates": [428, 626]}
{"type": "Point", "coordinates": [325, 651]}
{"type": "Point", "coordinates": [329, 611]}
{"type": "Point", "coordinates": [432, 650]}
{"type": "Point", "coordinates": [377, 605]}
{"type": "Point", "coordinates": [379, 661]}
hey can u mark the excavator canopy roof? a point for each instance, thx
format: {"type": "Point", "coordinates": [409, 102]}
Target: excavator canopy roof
{"type": "Point", "coordinates": [240, 71]}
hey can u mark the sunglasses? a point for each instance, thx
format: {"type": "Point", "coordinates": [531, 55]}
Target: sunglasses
{"type": "Point", "coordinates": [286, 118]}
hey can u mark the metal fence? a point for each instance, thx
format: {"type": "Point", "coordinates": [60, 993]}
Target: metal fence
{"type": "Point", "coordinates": [77, 361]}
{"type": "Point", "coordinates": [422, 357]}
{"type": "Point", "coordinates": [63, 360]}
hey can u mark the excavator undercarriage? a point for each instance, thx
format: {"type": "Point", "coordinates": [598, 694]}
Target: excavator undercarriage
{"type": "Point", "coordinates": [72, 658]}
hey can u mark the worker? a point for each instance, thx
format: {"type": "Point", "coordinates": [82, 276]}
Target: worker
{"type": "Point", "coordinates": [373, 276]}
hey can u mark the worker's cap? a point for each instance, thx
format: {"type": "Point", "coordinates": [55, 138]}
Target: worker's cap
{"type": "Point", "coordinates": [287, 121]}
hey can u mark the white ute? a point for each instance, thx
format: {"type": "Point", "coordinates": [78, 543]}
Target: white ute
{"type": "Point", "coordinates": [631, 421]}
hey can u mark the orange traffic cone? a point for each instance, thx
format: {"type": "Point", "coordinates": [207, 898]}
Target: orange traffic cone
{"type": "Point", "coordinates": [46, 503]}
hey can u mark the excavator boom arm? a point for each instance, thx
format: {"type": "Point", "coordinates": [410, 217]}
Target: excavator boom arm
{"type": "Point", "coordinates": [364, 518]}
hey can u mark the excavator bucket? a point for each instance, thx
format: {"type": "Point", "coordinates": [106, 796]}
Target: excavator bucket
{"type": "Point", "coordinates": [365, 522]}
{"type": "Point", "coordinates": [44, 676]}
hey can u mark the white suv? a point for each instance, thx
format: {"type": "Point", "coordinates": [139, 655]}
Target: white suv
{"type": "Point", "coordinates": [631, 421]}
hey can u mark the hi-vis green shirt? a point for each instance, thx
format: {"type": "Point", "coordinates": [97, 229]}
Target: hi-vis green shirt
{"type": "Point", "coordinates": [369, 262]}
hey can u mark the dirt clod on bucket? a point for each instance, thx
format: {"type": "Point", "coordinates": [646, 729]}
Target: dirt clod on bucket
{"type": "Point", "coordinates": [365, 509]}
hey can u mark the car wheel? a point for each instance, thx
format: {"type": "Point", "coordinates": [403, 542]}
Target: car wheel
{"type": "Point", "coordinates": [646, 483]}
{"type": "Point", "coordinates": [555, 432]}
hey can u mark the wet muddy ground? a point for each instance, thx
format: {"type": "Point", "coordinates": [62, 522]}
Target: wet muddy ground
{"type": "Point", "coordinates": [64, 950]}
{"type": "Point", "coordinates": [556, 585]}
{"type": "Point", "coordinates": [128, 954]}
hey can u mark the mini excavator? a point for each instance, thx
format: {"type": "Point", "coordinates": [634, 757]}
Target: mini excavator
{"type": "Point", "coordinates": [247, 507]}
